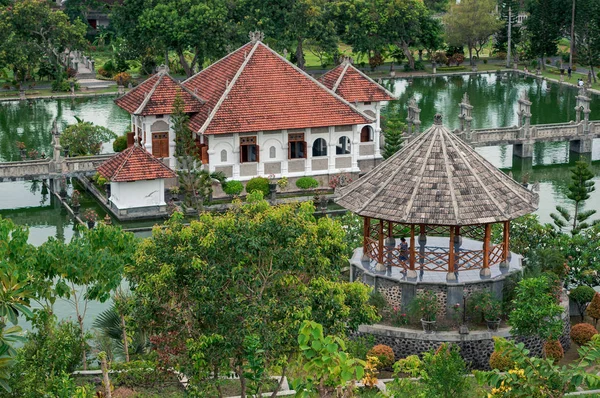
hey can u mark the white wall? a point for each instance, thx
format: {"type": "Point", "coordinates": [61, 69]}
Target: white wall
{"type": "Point", "coordinates": [128, 195]}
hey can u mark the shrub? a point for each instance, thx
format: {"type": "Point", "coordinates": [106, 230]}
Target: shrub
{"type": "Point", "coordinates": [120, 143]}
{"type": "Point", "coordinates": [410, 365]}
{"type": "Point", "coordinates": [109, 68]}
{"type": "Point", "coordinates": [99, 180]}
{"type": "Point", "coordinates": [444, 372]}
{"type": "Point", "coordinates": [233, 187]}
{"type": "Point", "coordinates": [485, 61]}
{"type": "Point", "coordinates": [554, 350]}
{"type": "Point", "coordinates": [582, 333]}
{"type": "Point", "coordinates": [122, 78]}
{"type": "Point", "coordinates": [359, 346]}
{"type": "Point", "coordinates": [377, 300]}
{"type": "Point", "coordinates": [593, 310]}
{"type": "Point", "coordinates": [500, 361]}
{"type": "Point", "coordinates": [425, 305]}
{"type": "Point", "coordinates": [282, 183]}
{"type": "Point", "coordinates": [307, 183]}
{"type": "Point", "coordinates": [258, 184]}
{"type": "Point", "coordinates": [582, 295]}
{"type": "Point", "coordinates": [103, 72]}
{"type": "Point", "coordinates": [384, 353]}
{"type": "Point", "coordinates": [71, 73]}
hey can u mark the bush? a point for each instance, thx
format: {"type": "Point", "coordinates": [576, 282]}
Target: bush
{"type": "Point", "coordinates": [419, 65]}
{"type": "Point", "coordinates": [99, 180]}
{"type": "Point", "coordinates": [410, 365]}
{"type": "Point", "coordinates": [451, 68]}
{"type": "Point", "coordinates": [120, 143]}
{"type": "Point", "coordinates": [444, 372]}
{"type": "Point", "coordinates": [485, 61]}
{"type": "Point", "coordinates": [425, 305]}
{"type": "Point", "coordinates": [307, 183]}
{"type": "Point", "coordinates": [233, 187]}
{"type": "Point", "coordinates": [582, 333]}
{"type": "Point", "coordinates": [109, 68]}
{"type": "Point", "coordinates": [103, 72]}
{"type": "Point", "coordinates": [582, 295]}
{"type": "Point", "coordinates": [122, 78]}
{"type": "Point", "coordinates": [359, 346]}
{"type": "Point", "coordinates": [500, 361]}
{"type": "Point", "coordinates": [377, 300]}
{"type": "Point", "coordinates": [64, 85]}
{"type": "Point", "coordinates": [593, 310]}
{"type": "Point", "coordinates": [384, 353]}
{"type": "Point", "coordinates": [71, 73]}
{"type": "Point", "coordinates": [258, 184]}
{"type": "Point", "coordinates": [554, 350]}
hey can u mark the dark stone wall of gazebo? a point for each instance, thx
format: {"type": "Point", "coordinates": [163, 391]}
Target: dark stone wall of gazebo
{"type": "Point", "coordinates": [401, 293]}
{"type": "Point", "coordinates": [475, 348]}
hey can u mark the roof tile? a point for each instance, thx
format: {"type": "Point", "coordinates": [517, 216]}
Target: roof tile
{"type": "Point", "coordinates": [354, 85]}
{"type": "Point", "coordinates": [134, 164]}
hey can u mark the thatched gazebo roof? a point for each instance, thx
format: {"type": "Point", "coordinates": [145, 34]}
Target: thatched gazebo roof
{"type": "Point", "coordinates": [438, 179]}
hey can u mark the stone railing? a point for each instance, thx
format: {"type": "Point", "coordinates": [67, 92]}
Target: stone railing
{"type": "Point", "coordinates": [24, 169]}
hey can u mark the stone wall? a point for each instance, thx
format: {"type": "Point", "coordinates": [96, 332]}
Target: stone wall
{"type": "Point", "coordinates": [475, 347]}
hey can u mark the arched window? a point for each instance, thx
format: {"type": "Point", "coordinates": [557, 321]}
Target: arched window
{"type": "Point", "coordinates": [319, 147]}
{"type": "Point", "coordinates": [343, 146]}
{"type": "Point", "coordinates": [366, 134]}
{"type": "Point", "coordinates": [272, 152]}
{"type": "Point", "coordinates": [224, 155]}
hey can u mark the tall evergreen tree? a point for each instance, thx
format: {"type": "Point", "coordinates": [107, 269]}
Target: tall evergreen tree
{"type": "Point", "coordinates": [579, 191]}
{"type": "Point", "coordinates": [393, 127]}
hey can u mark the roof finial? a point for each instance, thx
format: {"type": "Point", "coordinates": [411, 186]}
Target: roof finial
{"type": "Point", "coordinates": [437, 119]}
{"type": "Point", "coordinates": [256, 35]}
{"type": "Point", "coordinates": [465, 98]}
{"type": "Point", "coordinates": [163, 69]}
{"type": "Point", "coordinates": [345, 59]}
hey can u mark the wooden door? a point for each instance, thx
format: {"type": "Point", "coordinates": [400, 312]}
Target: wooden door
{"type": "Point", "coordinates": [160, 145]}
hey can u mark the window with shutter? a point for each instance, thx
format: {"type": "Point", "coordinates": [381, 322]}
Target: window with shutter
{"type": "Point", "coordinates": [296, 146]}
{"type": "Point", "coordinates": [249, 151]}
{"type": "Point", "coordinates": [160, 145]}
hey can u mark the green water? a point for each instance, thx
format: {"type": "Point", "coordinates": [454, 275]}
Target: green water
{"type": "Point", "coordinates": [494, 101]}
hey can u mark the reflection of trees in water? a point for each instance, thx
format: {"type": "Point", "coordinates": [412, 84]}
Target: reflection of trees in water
{"type": "Point", "coordinates": [27, 121]}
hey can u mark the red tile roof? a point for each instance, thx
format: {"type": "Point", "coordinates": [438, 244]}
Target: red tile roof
{"type": "Point", "coordinates": [353, 85]}
{"type": "Point", "coordinates": [156, 95]}
{"type": "Point", "coordinates": [255, 89]}
{"type": "Point", "coordinates": [134, 164]}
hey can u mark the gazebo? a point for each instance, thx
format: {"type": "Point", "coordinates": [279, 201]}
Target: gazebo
{"type": "Point", "coordinates": [437, 187]}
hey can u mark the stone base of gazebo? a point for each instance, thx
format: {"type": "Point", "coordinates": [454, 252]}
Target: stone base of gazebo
{"type": "Point", "coordinates": [400, 285]}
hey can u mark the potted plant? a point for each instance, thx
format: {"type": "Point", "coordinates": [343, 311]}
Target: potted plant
{"type": "Point", "coordinates": [282, 183]}
{"type": "Point", "coordinates": [174, 193]}
{"type": "Point", "coordinates": [426, 306]}
{"type": "Point", "coordinates": [272, 185]}
{"type": "Point", "coordinates": [492, 310]}
{"type": "Point", "coordinates": [75, 201]}
{"type": "Point", "coordinates": [22, 149]}
{"type": "Point", "coordinates": [90, 216]}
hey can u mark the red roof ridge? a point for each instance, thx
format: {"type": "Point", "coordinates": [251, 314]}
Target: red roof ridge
{"type": "Point", "coordinates": [149, 94]}
{"type": "Point", "coordinates": [341, 76]}
{"type": "Point", "coordinates": [125, 159]}
{"type": "Point", "coordinates": [215, 63]}
{"type": "Point", "coordinates": [213, 112]}
{"type": "Point", "coordinates": [369, 79]}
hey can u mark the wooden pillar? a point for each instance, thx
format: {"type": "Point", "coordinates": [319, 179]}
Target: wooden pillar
{"type": "Point", "coordinates": [450, 276]}
{"type": "Point", "coordinates": [485, 271]}
{"type": "Point", "coordinates": [505, 244]}
{"type": "Point", "coordinates": [411, 256]}
{"type": "Point", "coordinates": [380, 253]}
{"type": "Point", "coordinates": [366, 235]}
{"type": "Point", "coordinates": [390, 230]}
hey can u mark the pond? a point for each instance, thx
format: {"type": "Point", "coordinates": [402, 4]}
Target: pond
{"type": "Point", "coordinates": [494, 101]}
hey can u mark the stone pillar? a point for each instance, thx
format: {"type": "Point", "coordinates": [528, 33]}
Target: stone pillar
{"type": "Point", "coordinates": [434, 67]}
{"type": "Point", "coordinates": [21, 94]}
{"type": "Point", "coordinates": [583, 145]}
{"type": "Point", "coordinates": [524, 150]}
{"type": "Point", "coordinates": [465, 117]}
{"type": "Point", "coordinates": [454, 295]}
{"type": "Point", "coordinates": [92, 63]}
{"type": "Point", "coordinates": [524, 112]}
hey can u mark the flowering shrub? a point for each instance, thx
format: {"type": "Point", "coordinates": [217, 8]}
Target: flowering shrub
{"type": "Point", "coordinates": [384, 355]}
{"type": "Point", "coordinates": [554, 350]}
{"type": "Point", "coordinates": [425, 305]}
{"type": "Point", "coordinates": [90, 215]}
{"type": "Point", "coordinates": [339, 180]}
{"type": "Point", "coordinates": [399, 317]}
{"type": "Point", "coordinates": [582, 333]}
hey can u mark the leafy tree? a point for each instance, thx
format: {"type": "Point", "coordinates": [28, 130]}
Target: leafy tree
{"type": "Point", "coordinates": [471, 23]}
{"type": "Point", "coordinates": [587, 34]}
{"type": "Point", "coordinates": [501, 37]}
{"type": "Point", "coordinates": [44, 363]}
{"type": "Point", "coordinates": [582, 296]}
{"type": "Point", "coordinates": [579, 191]}
{"type": "Point", "coordinates": [544, 26]}
{"type": "Point", "coordinates": [444, 372]}
{"type": "Point", "coordinates": [537, 377]}
{"type": "Point", "coordinates": [372, 25]}
{"type": "Point", "coordinates": [89, 267]}
{"type": "Point", "coordinates": [250, 269]}
{"type": "Point", "coordinates": [85, 138]}
{"type": "Point", "coordinates": [431, 37]}
{"type": "Point", "coordinates": [195, 181]}
{"type": "Point", "coordinates": [194, 26]}
{"type": "Point", "coordinates": [37, 31]}
{"type": "Point", "coordinates": [436, 5]}
{"type": "Point", "coordinates": [535, 310]}
{"type": "Point", "coordinates": [326, 364]}
{"type": "Point", "coordinates": [393, 128]}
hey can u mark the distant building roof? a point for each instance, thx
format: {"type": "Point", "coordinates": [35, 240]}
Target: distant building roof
{"type": "Point", "coordinates": [134, 164]}
{"type": "Point", "coordinates": [353, 85]}
{"type": "Point", "coordinates": [156, 95]}
{"type": "Point", "coordinates": [438, 179]}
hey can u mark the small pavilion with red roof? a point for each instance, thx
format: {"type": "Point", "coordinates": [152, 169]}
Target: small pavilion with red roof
{"type": "Point", "coordinates": [137, 180]}
{"type": "Point", "coordinates": [253, 113]}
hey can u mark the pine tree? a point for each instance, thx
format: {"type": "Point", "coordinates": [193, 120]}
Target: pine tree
{"type": "Point", "coordinates": [579, 191]}
{"type": "Point", "coordinates": [393, 128]}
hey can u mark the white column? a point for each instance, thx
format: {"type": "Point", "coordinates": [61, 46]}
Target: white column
{"type": "Point", "coordinates": [355, 146]}
{"type": "Point", "coordinates": [308, 160]}
{"type": "Point", "coordinates": [260, 167]}
{"type": "Point", "coordinates": [284, 162]}
{"type": "Point", "coordinates": [377, 130]}
{"type": "Point", "coordinates": [236, 156]}
{"type": "Point", "coordinates": [331, 150]}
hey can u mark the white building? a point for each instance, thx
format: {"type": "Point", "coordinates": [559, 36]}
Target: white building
{"type": "Point", "coordinates": [137, 181]}
{"type": "Point", "coordinates": [253, 113]}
